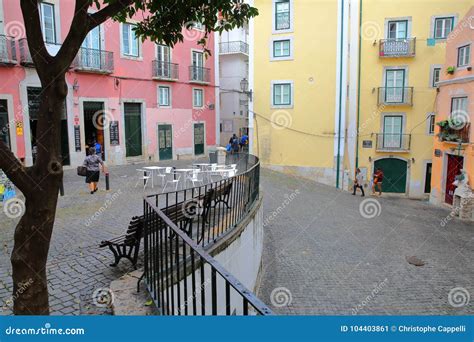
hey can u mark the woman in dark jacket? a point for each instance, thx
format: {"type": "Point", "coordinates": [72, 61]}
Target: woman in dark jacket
{"type": "Point", "coordinates": [94, 165]}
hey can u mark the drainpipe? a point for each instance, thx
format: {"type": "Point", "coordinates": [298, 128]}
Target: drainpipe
{"type": "Point", "coordinates": [358, 86]}
{"type": "Point", "coordinates": [341, 55]}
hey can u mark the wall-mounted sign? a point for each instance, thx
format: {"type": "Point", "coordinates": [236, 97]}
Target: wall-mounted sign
{"type": "Point", "coordinates": [77, 138]}
{"type": "Point", "coordinates": [19, 128]}
{"type": "Point", "coordinates": [114, 133]}
{"type": "Point", "coordinates": [367, 144]}
{"type": "Point", "coordinates": [438, 153]}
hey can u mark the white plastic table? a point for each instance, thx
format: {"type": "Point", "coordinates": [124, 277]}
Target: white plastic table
{"type": "Point", "coordinates": [152, 169]}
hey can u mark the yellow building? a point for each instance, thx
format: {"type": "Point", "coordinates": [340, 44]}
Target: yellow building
{"type": "Point", "coordinates": [340, 84]}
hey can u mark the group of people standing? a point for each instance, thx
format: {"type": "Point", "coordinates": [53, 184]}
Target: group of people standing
{"type": "Point", "coordinates": [377, 182]}
{"type": "Point", "coordinates": [237, 144]}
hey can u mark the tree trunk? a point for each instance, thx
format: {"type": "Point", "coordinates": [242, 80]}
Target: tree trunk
{"type": "Point", "coordinates": [33, 232]}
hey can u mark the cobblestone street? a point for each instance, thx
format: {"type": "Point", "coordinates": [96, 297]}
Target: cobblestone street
{"type": "Point", "coordinates": [321, 256]}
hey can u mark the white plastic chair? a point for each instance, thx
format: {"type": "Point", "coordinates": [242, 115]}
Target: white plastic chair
{"type": "Point", "coordinates": [196, 176]}
{"type": "Point", "coordinates": [143, 176]}
{"type": "Point", "coordinates": [162, 173]}
{"type": "Point", "coordinates": [176, 176]}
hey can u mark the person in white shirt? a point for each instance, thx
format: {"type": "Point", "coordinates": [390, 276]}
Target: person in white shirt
{"type": "Point", "coordinates": [359, 182]}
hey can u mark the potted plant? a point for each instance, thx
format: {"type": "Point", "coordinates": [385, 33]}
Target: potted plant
{"type": "Point", "coordinates": [450, 70]}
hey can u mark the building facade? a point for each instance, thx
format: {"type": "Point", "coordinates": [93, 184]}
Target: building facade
{"type": "Point", "coordinates": [454, 128]}
{"type": "Point", "coordinates": [141, 101]}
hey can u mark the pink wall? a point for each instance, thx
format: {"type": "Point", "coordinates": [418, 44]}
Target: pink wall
{"type": "Point", "coordinates": [134, 81]}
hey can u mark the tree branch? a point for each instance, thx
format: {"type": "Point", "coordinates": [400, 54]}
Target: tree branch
{"type": "Point", "coordinates": [107, 12]}
{"type": "Point", "coordinates": [14, 170]}
{"type": "Point", "coordinates": [34, 35]}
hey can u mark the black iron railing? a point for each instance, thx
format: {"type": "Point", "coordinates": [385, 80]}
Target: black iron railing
{"type": "Point", "coordinates": [181, 276]}
{"type": "Point", "coordinates": [393, 142]}
{"type": "Point", "coordinates": [7, 50]}
{"type": "Point", "coordinates": [233, 47]}
{"type": "Point", "coordinates": [397, 47]}
{"type": "Point", "coordinates": [25, 54]}
{"type": "Point", "coordinates": [94, 60]}
{"type": "Point", "coordinates": [199, 74]}
{"type": "Point", "coordinates": [165, 70]}
{"type": "Point", "coordinates": [395, 96]}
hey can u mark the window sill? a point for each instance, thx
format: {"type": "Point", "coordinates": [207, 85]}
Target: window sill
{"type": "Point", "coordinates": [273, 106]}
{"type": "Point", "coordinates": [132, 58]}
{"type": "Point", "coordinates": [278, 59]}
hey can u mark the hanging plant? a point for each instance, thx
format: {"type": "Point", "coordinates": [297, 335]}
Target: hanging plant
{"type": "Point", "coordinates": [450, 70]}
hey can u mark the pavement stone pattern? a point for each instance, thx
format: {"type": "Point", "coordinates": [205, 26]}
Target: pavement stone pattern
{"type": "Point", "coordinates": [323, 257]}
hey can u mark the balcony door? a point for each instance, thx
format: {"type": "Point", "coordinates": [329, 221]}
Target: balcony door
{"type": "Point", "coordinates": [163, 58]}
{"type": "Point", "coordinates": [394, 86]}
{"type": "Point", "coordinates": [397, 44]}
{"type": "Point", "coordinates": [198, 64]}
{"type": "Point", "coordinates": [392, 131]}
{"type": "Point", "coordinates": [398, 29]}
{"type": "Point", "coordinates": [90, 52]}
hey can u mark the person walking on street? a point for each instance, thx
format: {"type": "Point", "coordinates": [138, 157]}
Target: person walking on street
{"type": "Point", "coordinates": [234, 142]}
{"type": "Point", "coordinates": [378, 179]}
{"type": "Point", "coordinates": [359, 182]}
{"type": "Point", "coordinates": [94, 165]}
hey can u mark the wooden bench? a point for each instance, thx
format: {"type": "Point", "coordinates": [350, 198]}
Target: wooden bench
{"type": "Point", "coordinates": [127, 245]}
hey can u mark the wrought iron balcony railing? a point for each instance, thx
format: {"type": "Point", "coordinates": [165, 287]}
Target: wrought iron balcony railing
{"type": "Point", "coordinates": [226, 48]}
{"type": "Point", "coordinates": [94, 60]}
{"type": "Point", "coordinates": [165, 71]}
{"type": "Point", "coordinates": [7, 50]}
{"type": "Point", "coordinates": [25, 55]}
{"type": "Point", "coordinates": [393, 142]}
{"type": "Point", "coordinates": [397, 47]}
{"type": "Point", "coordinates": [395, 96]}
{"type": "Point", "coordinates": [199, 74]}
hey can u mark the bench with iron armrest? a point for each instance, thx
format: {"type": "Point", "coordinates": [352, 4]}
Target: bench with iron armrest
{"type": "Point", "coordinates": [127, 245]}
{"type": "Point", "coordinates": [222, 194]}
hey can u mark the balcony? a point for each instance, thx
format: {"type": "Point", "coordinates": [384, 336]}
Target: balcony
{"type": "Point", "coordinates": [388, 142]}
{"type": "Point", "coordinates": [94, 61]}
{"type": "Point", "coordinates": [199, 74]}
{"type": "Point", "coordinates": [397, 48]}
{"type": "Point", "coordinates": [227, 48]}
{"type": "Point", "coordinates": [25, 55]}
{"type": "Point", "coordinates": [165, 71]}
{"type": "Point", "coordinates": [7, 51]}
{"type": "Point", "coordinates": [449, 133]}
{"type": "Point", "coordinates": [395, 96]}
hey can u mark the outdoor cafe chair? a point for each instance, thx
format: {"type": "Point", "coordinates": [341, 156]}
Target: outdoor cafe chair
{"type": "Point", "coordinates": [143, 176]}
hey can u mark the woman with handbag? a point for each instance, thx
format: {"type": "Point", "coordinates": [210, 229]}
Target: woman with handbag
{"type": "Point", "coordinates": [94, 164]}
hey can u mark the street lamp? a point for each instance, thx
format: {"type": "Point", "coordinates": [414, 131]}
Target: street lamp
{"type": "Point", "coordinates": [244, 86]}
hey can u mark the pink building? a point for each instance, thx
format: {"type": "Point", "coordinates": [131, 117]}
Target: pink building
{"type": "Point", "coordinates": [139, 100]}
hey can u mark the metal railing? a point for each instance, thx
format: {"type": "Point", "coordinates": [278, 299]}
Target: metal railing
{"type": "Point", "coordinates": [395, 96]}
{"type": "Point", "coordinates": [7, 50]}
{"type": "Point", "coordinates": [182, 277]}
{"type": "Point", "coordinates": [393, 142]}
{"type": "Point", "coordinates": [94, 60]}
{"type": "Point", "coordinates": [199, 74]}
{"type": "Point", "coordinates": [25, 54]}
{"type": "Point", "coordinates": [397, 47]}
{"type": "Point", "coordinates": [233, 47]}
{"type": "Point", "coordinates": [165, 70]}
{"type": "Point", "coordinates": [451, 134]}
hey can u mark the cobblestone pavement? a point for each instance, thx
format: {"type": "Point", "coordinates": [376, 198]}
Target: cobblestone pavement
{"type": "Point", "coordinates": [323, 257]}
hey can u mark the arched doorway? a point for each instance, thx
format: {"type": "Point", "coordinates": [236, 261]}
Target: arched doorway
{"type": "Point", "coordinates": [395, 174]}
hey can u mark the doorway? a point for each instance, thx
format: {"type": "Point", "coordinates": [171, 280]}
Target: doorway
{"type": "Point", "coordinates": [4, 124]}
{"type": "Point", "coordinates": [395, 174]}
{"type": "Point", "coordinates": [428, 171]}
{"type": "Point", "coordinates": [198, 139]}
{"type": "Point", "coordinates": [165, 142]}
{"type": "Point", "coordinates": [455, 164]}
{"type": "Point", "coordinates": [94, 122]}
{"type": "Point", "coordinates": [133, 129]}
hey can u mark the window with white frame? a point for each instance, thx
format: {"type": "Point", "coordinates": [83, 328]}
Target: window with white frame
{"type": "Point", "coordinates": [130, 42]}
{"type": "Point", "coordinates": [459, 106]}
{"type": "Point", "coordinates": [431, 124]}
{"type": "Point", "coordinates": [282, 15]}
{"type": "Point", "coordinates": [282, 94]}
{"type": "Point", "coordinates": [198, 98]}
{"type": "Point", "coordinates": [464, 55]}
{"type": "Point", "coordinates": [435, 78]}
{"type": "Point", "coordinates": [281, 48]}
{"type": "Point", "coordinates": [443, 27]}
{"type": "Point", "coordinates": [48, 24]}
{"type": "Point", "coordinates": [164, 96]}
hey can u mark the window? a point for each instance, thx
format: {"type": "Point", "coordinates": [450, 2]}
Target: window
{"type": "Point", "coordinates": [436, 73]}
{"type": "Point", "coordinates": [48, 24]}
{"type": "Point", "coordinates": [464, 55]}
{"type": "Point", "coordinates": [431, 124]}
{"type": "Point", "coordinates": [392, 131]}
{"type": "Point", "coordinates": [395, 86]}
{"type": "Point", "coordinates": [164, 96]}
{"type": "Point", "coordinates": [130, 43]}
{"type": "Point", "coordinates": [459, 106]}
{"type": "Point", "coordinates": [282, 94]}
{"type": "Point", "coordinates": [198, 98]}
{"type": "Point", "coordinates": [443, 27]}
{"type": "Point", "coordinates": [281, 48]}
{"type": "Point", "coordinates": [282, 15]}
{"type": "Point", "coordinates": [398, 29]}
{"type": "Point", "coordinates": [198, 73]}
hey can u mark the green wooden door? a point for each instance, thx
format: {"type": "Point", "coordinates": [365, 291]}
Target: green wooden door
{"type": "Point", "coordinates": [66, 160]}
{"type": "Point", "coordinates": [165, 142]}
{"type": "Point", "coordinates": [198, 139]}
{"type": "Point", "coordinates": [133, 129]}
{"type": "Point", "coordinates": [395, 174]}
